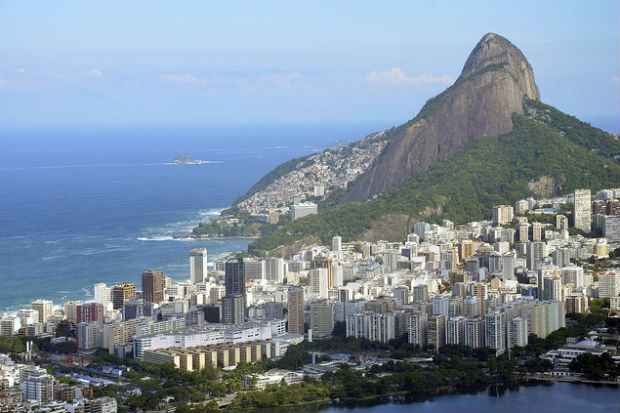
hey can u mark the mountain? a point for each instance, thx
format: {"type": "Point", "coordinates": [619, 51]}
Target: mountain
{"type": "Point", "coordinates": [485, 140]}
{"type": "Point", "coordinates": [491, 87]}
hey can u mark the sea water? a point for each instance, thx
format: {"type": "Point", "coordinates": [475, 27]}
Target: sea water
{"type": "Point", "coordinates": [80, 206]}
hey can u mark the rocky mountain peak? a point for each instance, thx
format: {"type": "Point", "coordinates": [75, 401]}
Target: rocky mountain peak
{"type": "Point", "coordinates": [496, 52]}
{"type": "Point", "coordinates": [494, 82]}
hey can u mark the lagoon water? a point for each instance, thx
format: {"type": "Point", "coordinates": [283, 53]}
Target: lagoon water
{"type": "Point", "coordinates": [556, 398]}
{"type": "Point", "coordinates": [83, 206]}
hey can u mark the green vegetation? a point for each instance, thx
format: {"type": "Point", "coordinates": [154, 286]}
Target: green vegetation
{"type": "Point", "coordinates": [595, 367]}
{"type": "Point", "coordinates": [13, 344]}
{"type": "Point", "coordinates": [220, 228]}
{"type": "Point", "coordinates": [492, 170]}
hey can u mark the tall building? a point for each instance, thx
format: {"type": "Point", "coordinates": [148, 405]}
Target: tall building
{"type": "Point", "coordinates": [89, 312]}
{"type": "Point", "coordinates": [378, 327]}
{"type": "Point", "coordinates": [474, 333]}
{"type": "Point", "coordinates": [38, 388]}
{"type": "Point", "coordinates": [535, 255]}
{"type": "Point", "coordinates": [198, 265]}
{"type": "Point", "coordinates": [609, 284]}
{"type": "Point", "coordinates": [233, 302]}
{"type": "Point", "coordinates": [416, 326]}
{"type": "Point", "coordinates": [436, 332]}
{"type": "Point", "coordinates": [508, 265]}
{"type": "Point", "coordinates": [420, 293]}
{"type": "Point", "coordinates": [153, 285]}
{"type": "Point", "coordinates": [275, 269]}
{"type": "Point", "coordinates": [234, 277]}
{"type": "Point", "coordinates": [121, 293]}
{"type": "Point", "coordinates": [401, 295]}
{"type": "Point", "coordinates": [319, 282]}
{"type": "Point", "coordinates": [524, 232]}
{"type": "Point", "coordinates": [552, 289]}
{"type": "Point", "coordinates": [321, 318]}
{"type": "Point", "coordinates": [295, 307]}
{"type": "Point", "coordinates": [254, 269]}
{"type": "Point", "coordinates": [582, 210]}
{"type": "Point", "coordinates": [537, 231]}
{"type": "Point", "coordinates": [455, 331]}
{"type": "Point", "coordinates": [70, 309]}
{"type": "Point", "coordinates": [467, 249]}
{"type": "Point", "coordinates": [610, 226]}
{"type": "Point", "coordinates": [521, 207]}
{"type": "Point", "coordinates": [45, 308]}
{"type": "Point", "coordinates": [440, 305]}
{"type": "Point", "coordinates": [503, 214]}
{"type": "Point", "coordinates": [495, 332]}
{"type": "Point", "coordinates": [518, 332]}
{"type": "Point", "coordinates": [103, 294]}
{"type": "Point", "coordinates": [561, 257]}
{"type": "Point", "coordinates": [233, 309]}
{"type": "Point", "coordinates": [337, 243]}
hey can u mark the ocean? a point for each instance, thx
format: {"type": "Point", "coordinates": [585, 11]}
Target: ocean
{"type": "Point", "coordinates": [82, 206]}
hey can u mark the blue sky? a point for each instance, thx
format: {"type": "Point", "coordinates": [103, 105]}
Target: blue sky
{"type": "Point", "coordinates": [201, 63]}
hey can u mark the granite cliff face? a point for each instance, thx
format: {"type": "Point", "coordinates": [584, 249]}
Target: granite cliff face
{"type": "Point", "coordinates": [492, 86]}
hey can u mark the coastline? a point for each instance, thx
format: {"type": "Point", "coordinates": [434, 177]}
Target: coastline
{"type": "Point", "coordinates": [144, 246]}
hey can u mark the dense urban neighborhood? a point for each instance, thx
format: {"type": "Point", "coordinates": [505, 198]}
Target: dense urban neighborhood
{"type": "Point", "coordinates": [532, 294]}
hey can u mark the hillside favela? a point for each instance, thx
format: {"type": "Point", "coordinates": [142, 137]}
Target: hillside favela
{"type": "Point", "coordinates": [463, 258]}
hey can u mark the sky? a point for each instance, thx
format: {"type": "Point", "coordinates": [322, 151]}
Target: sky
{"type": "Point", "coordinates": [202, 63]}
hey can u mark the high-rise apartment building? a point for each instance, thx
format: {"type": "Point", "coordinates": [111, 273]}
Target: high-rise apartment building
{"type": "Point", "coordinates": [275, 269]}
{"type": "Point", "coordinates": [474, 333]}
{"type": "Point", "coordinates": [319, 282]}
{"type": "Point", "coordinates": [378, 327]}
{"type": "Point", "coordinates": [503, 214]}
{"type": "Point", "coordinates": [582, 210]}
{"type": "Point", "coordinates": [295, 307]}
{"type": "Point", "coordinates": [321, 318]}
{"type": "Point", "coordinates": [233, 309]}
{"type": "Point", "coordinates": [45, 308]}
{"type": "Point", "coordinates": [198, 265]}
{"type": "Point", "coordinates": [337, 243]}
{"type": "Point", "coordinates": [495, 332]}
{"type": "Point", "coordinates": [537, 231]}
{"type": "Point", "coordinates": [103, 294]}
{"type": "Point", "coordinates": [416, 327]}
{"type": "Point", "coordinates": [153, 286]}
{"type": "Point", "coordinates": [234, 277]}
{"type": "Point", "coordinates": [436, 332]}
{"type": "Point", "coordinates": [523, 230]}
{"type": "Point", "coordinates": [609, 284]}
{"type": "Point", "coordinates": [455, 331]}
{"type": "Point", "coordinates": [234, 302]}
{"type": "Point", "coordinates": [518, 332]}
{"type": "Point", "coordinates": [121, 293]}
{"type": "Point", "coordinates": [535, 255]}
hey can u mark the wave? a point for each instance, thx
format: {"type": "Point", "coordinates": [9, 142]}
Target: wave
{"type": "Point", "coordinates": [178, 230]}
{"type": "Point", "coordinates": [166, 238]}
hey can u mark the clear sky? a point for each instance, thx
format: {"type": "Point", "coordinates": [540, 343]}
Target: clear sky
{"type": "Point", "coordinates": [134, 62]}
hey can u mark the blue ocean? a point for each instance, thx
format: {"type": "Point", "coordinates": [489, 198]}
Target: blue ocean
{"type": "Point", "coordinates": [80, 206]}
